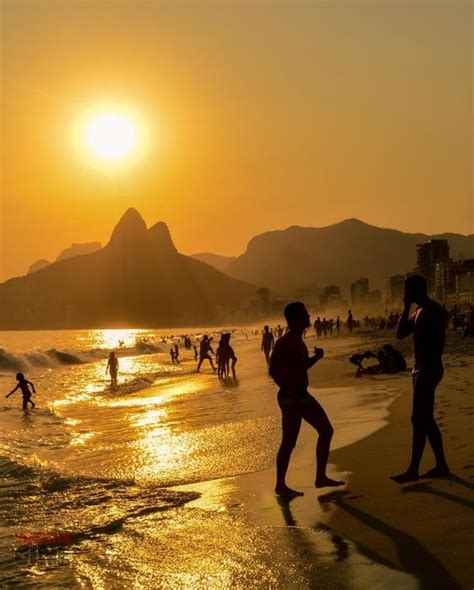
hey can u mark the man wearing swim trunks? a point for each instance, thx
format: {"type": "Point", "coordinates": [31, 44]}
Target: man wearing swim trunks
{"type": "Point", "coordinates": [289, 366]}
{"type": "Point", "coordinates": [428, 326]}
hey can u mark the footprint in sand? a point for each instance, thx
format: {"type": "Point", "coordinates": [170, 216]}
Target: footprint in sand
{"type": "Point", "coordinates": [468, 466]}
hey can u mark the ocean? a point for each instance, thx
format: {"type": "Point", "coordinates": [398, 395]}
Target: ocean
{"type": "Point", "coordinates": [136, 485]}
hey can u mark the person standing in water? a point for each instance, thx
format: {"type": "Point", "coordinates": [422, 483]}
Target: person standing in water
{"type": "Point", "coordinates": [112, 367]}
{"type": "Point", "coordinates": [23, 384]}
{"type": "Point", "coordinates": [268, 343]}
{"type": "Point", "coordinates": [289, 366]}
{"type": "Point", "coordinates": [204, 349]}
{"type": "Point", "coordinates": [428, 326]}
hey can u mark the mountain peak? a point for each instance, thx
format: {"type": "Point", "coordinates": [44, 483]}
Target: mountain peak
{"type": "Point", "coordinates": [161, 237]}
{"type": "Point", "coordinates": [130, 227]}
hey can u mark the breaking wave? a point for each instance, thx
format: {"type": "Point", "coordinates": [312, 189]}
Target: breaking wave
{"type": "Point", "coordinates": [13, 361]}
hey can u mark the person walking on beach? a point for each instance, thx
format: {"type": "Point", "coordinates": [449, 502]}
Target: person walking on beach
{"type": "Point", "coordinates": [268, 342]}
{"type": "Point", "coordinates": [112, 367]}
{"type": "Point", "coordinates": [289, 366]}
{"type": "Point", "coordinates": [350, 321]}
{"type": "Point", "coordinates": [204, 349]}
{"type": "Point", "coordinates": [428, 326]}
{"type": "Point", "coordinates": [23, 384]}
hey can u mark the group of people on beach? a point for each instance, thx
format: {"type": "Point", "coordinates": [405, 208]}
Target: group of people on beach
{"type": "Point", "coordinates": [225, 355]}
{"type": "Point", "coordinates": [288, 363]}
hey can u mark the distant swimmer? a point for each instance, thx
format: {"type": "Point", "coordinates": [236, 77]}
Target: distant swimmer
{"type": "Point", "coordinates": [204, 349]}
{"type": "Point", "coordinates": [112, 367]}
{"type": "Point", "coordinates": [268, 343]}
{"type": "Point", "coordinates": [428, 326]}
{"type": "Point", "coordinates": [289, 366]}
{"type": "Point", "coordinates": [338, 325]}
{"type": "Point", "coordinates": [173, 360]}
{"type": "Point", "coordinates": [23, 384]}
{"type": "Point", "coordinates": [196, 354]}
{"type": "Point", "coordinates": [176, 353]}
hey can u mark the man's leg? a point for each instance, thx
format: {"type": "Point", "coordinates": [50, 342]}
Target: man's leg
{"type": "Point", "coordinates": [267, 355]}
{"type": "Point", "coordinates": [435, 439]}
{"type": "Point", "coordinates": [290, 425]}
{"type": "Point", "coordinates": [212, 364]}
{"type": "Point", "coordinates": [421, 418]}
{"type": "Point", "coordinates": [315, 415]}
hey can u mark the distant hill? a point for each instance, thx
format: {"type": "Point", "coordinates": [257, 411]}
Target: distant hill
{"type": "Point", "coordinates": [215, 260]}
{"type": "Point", "coordinates": [38, 265]}
{"type": "Point", "coordinates": [336, 254]}
{"type": "Point", "coordinates": [137, 279]}
{"type": "Point", "coordinates": [79, 250]}
{"type": "Point", "coordinates": [73, 250]}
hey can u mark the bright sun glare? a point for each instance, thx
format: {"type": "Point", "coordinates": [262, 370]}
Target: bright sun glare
{"type": "Point", "coordinates": [111, 136]}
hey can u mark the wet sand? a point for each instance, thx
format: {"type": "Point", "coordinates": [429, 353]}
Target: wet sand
{"type": "Point", "coordinates": [413, 536]}
{"type": "Point", "coordinates": [425, 528]}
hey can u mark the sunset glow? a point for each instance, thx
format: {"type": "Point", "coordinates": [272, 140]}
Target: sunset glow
{"type": "Point", "coordinates": [111, 136]}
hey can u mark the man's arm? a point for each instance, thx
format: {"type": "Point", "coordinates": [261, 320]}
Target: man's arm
{"type": "Point", "coordinates": [318, 355]}
{"type": "Point", "coordinates": [12, 391]}
{"type": "Point", "coordinates": [405, 323]}
{"type": "Point", "coordinates": [275, 368]}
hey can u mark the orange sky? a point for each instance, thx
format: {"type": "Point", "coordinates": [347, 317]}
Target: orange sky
{"type": "Point", "coordinates": [260, 115]}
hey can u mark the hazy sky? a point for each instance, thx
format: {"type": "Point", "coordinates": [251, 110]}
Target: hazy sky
{"type": "Point", "coordinates": [259, 115]}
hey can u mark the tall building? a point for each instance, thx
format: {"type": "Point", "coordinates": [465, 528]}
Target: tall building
{"type": "Point", "coordinates": [395, 289]}
{"type": "Point", "coordinates": [374, 299]}
{"type": "Point", "coordinates": [263, 301]}
{"type": "Point", "coordinates": [427, 255]}
{"type": "Point", "coordinates": [444, 279]}
{"type": "Point", "coordinates": [359, 292]}
{"type": "Point", "coordinates": [331, 296]}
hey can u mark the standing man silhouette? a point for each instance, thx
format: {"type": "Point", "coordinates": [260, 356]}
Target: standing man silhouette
{"type": "Point", "coordinates": [268, 342]}
{"type": "Point", "coordinates": [289, 366]}
{"type": "Point", "coordinates": [428, 326]}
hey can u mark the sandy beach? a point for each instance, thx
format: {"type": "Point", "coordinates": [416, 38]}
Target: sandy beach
{"type": "Point", "coordinates": [168, 480]}
{"type": "Point", "coordinates": [421, 533]}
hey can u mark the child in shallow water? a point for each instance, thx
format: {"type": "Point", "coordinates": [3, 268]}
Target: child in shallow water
{"type": "Point", "coordinates": [24, 384]}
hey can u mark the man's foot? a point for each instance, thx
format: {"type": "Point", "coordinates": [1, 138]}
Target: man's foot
{"type": "Point", "coordinates": [437, 472]}
{"type": "Point", "coordinates": [406, 477]}
{"type": "Point", "coordinates": [286, 492]}
{"type": "Point", "coordinates": [327, 482]}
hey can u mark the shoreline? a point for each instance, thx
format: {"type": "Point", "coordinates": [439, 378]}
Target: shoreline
{"type": "Point", "coordinates": [413, 536]}
{"type": "Point", "coordinates": [422, 528]}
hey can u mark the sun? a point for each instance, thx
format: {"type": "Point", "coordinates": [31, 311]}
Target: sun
{"type": "Point", "coordinates": [111, 136]}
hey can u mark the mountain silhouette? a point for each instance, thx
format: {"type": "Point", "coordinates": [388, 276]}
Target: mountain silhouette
{"type": "Point", "coordinates": [336, 254]}
{"type": "Point", "coordinates": [73, 250]}
{"type": "Point", "coordinates": [215, 260]}
{"type": "Point", "coordinates": [137, 279]}
{"type": "Point", "coordinates": [79, 250]}
{"type": "Point", "coordinates": [38, 265]}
